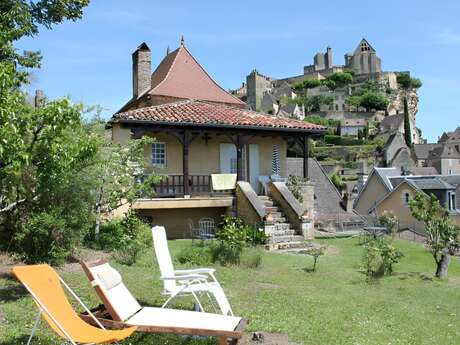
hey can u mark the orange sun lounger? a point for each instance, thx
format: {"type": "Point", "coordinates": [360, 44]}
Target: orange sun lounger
{"type": "Point", "coordinates": [46, 288]}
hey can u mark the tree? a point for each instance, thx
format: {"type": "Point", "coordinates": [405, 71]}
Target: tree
{"type": "Point", "coordinates": [373, 100]}
{"type": "Point", "coordinates": [308, 83]}
{"type": "Point", "coordinates": [43, 196]}
{"type": "Point", "coordinates": [406, 82]}
{"type": "Point", "coordinates": [119, 174]}
{"type": "Point", "coordinates": [313, 103]}
{"type": "Point", "coordinates": [443, 236]}
{"type": "Point", "coordinates": [338, 80]}
{"type": "Point", "coordinates": [407, 125]}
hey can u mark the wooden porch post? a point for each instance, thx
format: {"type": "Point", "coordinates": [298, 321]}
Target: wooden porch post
{"type": "Point", "coordinates": [305, 156]}
{"type": "Point", "coordinates": [185, 154]}
{"type": "Point", "coordinates": [239, 158]}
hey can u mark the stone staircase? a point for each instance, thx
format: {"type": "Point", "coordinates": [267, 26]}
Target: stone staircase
{"type": "Point", "coordinates": [281, 235]}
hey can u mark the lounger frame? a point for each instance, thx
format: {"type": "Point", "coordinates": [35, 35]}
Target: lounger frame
{"type": "Point", "coordinates": [106, 311]}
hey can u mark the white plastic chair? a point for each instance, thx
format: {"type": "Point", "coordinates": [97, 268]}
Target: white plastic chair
{"type": "Point", "coordinates": [186, 282]}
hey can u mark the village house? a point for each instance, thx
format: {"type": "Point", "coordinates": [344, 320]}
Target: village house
{"type": "Point", "coordinates": [201, 130]}
{"type": "Point", "coordinates": [444, 155]}
{"type": "Point", "coordinates": [351, 126]}
{"type": "Point", "coordinates": [390, 189]}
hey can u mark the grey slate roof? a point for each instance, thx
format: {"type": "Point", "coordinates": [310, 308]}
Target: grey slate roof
{"type": "Point", "coordinates": [422, 171]}
{"type": "Point", "coordinates": [391, 123]}
{"type": "Point", "coordinates": [428, 182]}
{"type": "Point", "coordinates": [327, 197]}
{"type": "Point", "coordinates": [386, 173]}
{"type": "Point", "coordinates": [422, 151]}
{"type": "Point", "coordinates": [445, 151]}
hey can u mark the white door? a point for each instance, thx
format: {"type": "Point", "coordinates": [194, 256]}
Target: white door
{"type": "Point", "coordinates": [254, 157]}
{"type": "Point", "coordinates": [227, 159]}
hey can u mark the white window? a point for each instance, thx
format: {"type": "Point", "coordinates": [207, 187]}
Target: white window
{"type": "Point", "coordinates": [159, 154]}
{"type": "Point", "coordinates": [452, 201]}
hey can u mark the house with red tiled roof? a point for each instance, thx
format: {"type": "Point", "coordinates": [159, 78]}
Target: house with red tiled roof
{"type": "Point", "coordinates": [203, 134]}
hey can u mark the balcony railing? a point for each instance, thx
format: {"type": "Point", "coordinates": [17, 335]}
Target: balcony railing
{"type": "Point", "coordinates": [173, 185]}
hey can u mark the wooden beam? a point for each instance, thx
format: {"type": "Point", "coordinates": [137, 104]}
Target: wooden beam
{"type": "Point", "coordinates": [185, 161]}
{"type": "Point", "coordinates": [305, 156]}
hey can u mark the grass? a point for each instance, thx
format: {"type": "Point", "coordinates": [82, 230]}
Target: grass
{"type": "Point", "coordinates": [334, 305]}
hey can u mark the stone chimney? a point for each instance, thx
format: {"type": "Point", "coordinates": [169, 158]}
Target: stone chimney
{"type": "Point", "coordinates": [142, 70]}
{"type": "Point", "coordinates": [39, 99]}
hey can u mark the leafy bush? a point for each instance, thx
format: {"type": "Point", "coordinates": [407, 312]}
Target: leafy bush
{"type": "Point", "coordinates": [294, 184]}
{"type": "Point", "coordinates": [135, 239]}
{"type": "Point", "coordinates": [194, 255]}
{"type": "Point", "coordinates": [251, 257]}
{"type": "Point", "coordinates": [232, 236]}
{"type": "Point", "coordinates": [225, 254]}
{"type": "Point", "coordinates": [44, 238]}
{"type": "Point", "coordinates": [345, 140]}
{"type": "Point", "coordinates": [111, 234]}
{"type": "Point", "coordinates": [255, 235]}
{"type": "Point", "coordinates": [337, 181]}
{"type": "Point", "coordinates": [379, 257]}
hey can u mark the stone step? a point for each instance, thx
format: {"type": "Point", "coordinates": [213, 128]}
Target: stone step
{"type": "Point", "coordinates": [263, 197]}
{"type": "Point", "coordinates": [292, 245]}
{"type": "Point", "coordinates": [285, 239]}
{"type": "Point", "coordinates": [271, 209]}
{"type": "Point", "coordinates": [267, 203]}
{"type": "Point", "coordinates": [276, 214]}
{"type": "Point", "coordinates": [276, 233]}
{"type": "Point", "coordinates": [282, 226]}
{"type": "Point", "coordinates": [279, 219]}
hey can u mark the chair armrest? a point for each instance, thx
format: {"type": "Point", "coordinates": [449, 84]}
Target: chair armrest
{"type": "Point", "coordinates": [186, 277]}
{"type": "Point", "coordinates": [195, 270]}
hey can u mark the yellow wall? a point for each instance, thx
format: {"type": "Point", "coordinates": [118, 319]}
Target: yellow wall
{"type": "Point", "coordinates": [395, 204]}
{"type": "Point", "coordinates": [204, 158]}
{"type": "Point", "coordinates": [175, 220]}
{"type": "Point", "coordinates": [374, 192]}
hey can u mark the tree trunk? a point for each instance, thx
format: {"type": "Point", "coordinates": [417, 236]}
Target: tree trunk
{"type": "Point", "coordinates": [443, 265]}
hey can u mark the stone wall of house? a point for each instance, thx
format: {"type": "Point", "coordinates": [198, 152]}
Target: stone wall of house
{"type": "Point", "coordinates": [248, 205]}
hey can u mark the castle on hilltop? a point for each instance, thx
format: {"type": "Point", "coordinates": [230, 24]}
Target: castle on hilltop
{"type": "Point", "coordinates": [363, 63]}
{"type": "Point", "coordinates": [272, 95]}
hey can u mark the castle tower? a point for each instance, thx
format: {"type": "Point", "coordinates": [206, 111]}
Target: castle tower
{"type": "Point", "coordinates": [364, 59]}
{"type": "Point", "coordinates": [328, 57]}
{"type": "Point", "coordinates": [257, 84]}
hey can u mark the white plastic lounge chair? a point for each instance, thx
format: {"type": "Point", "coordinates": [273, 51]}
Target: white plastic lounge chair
{"type": "Point", "coordinates": [124, 310]}
{"type": "Point", "coordinates": [186, 282]}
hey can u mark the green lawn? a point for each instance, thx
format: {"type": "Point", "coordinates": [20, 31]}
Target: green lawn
{"type": "Point", "coordinates": [335, 305]}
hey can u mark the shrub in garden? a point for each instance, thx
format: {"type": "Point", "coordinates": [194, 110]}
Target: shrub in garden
{"type": "Point", "coordinates": [194, 255]}
{"type": "Point", "coordinates": [379, 257]}
{"type": "Point", "coordinates": [255, 235]}
{"type": "Point", "coordinates": [134, 240]}
{"type": "Point", "coordinates": [251, 257]}
{"type": "Point", "coordinates": [111, 235]}
{"type": "Point", "coordinates": [233, 235]}
{"type": "Point", "coordinates": [45, 237]}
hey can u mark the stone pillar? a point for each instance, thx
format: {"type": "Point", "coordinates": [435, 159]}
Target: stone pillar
{"type": "Point", "coordinates": [308, 219]}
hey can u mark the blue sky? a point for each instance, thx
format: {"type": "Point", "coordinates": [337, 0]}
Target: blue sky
{"type": "Point", "coordinates": [90, 60]}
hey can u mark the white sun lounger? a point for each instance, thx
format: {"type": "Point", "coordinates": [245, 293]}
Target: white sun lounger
{"type": "Point", "coordinates": [124, 310]}
{"type": "Point", "coordinates": [193, 282]}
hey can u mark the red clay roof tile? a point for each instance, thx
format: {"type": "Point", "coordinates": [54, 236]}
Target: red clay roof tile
{"type": "Point", "coordinates": [207, 113]}
{"type": "Point", "coordinates": [180, 75]}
